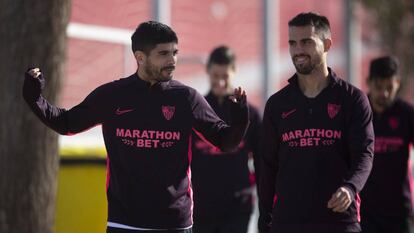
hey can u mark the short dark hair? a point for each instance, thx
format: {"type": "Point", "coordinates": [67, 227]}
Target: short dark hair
{"type": "Point", "coordinates": [149, 34]}
{"type": "Point", "coordinates": [383, 67]}
{"type": "Point", "coordinates": [222, 55]}
{"type": "Point", "coordinates": [320, 22]}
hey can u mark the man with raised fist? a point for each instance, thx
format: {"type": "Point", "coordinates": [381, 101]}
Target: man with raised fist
{"type": "Point", "coordinates": [147, 121]}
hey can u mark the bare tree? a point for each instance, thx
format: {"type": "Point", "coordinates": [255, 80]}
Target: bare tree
{"type": "Point", "coordinates": [31, 33]}
{"type": "Point", "coordinates": [394, 21]}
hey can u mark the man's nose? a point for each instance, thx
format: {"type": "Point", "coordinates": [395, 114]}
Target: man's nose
{"type": "Point", "coordinates": [172, 60]}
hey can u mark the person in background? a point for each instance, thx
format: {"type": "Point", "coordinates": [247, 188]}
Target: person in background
{"type": "Point", "coordinates": [387, 203]}
{"type": "Point", "coordinates": [222, 181]}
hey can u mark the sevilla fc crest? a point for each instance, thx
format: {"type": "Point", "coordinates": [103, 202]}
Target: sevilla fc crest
{"type": "Point", "coordinates": [168, 111]}
{"type": "Point", "coordinates": [333, 110]}
{"type": "Point", "coordinates": [393, 122]}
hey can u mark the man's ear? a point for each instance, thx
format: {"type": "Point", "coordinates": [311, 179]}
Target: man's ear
{"type": "Point", "coordinates": [140, 57]}
{"type": "Point", "coordinates": [398, 81]}
{"type": "Point", "coordinates": [327, 43]}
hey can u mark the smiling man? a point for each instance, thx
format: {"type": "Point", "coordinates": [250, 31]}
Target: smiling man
{"type": "Point", "coordinates": [147, 121]}
{"type": "Point", "coordinates": [318, 142]}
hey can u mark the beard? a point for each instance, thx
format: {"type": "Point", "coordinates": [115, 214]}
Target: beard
{"type": "Point", "coordinates": [306, 67]}
{"type": "Point", "coordinates": [163, 74]}
{"type": "Point", "coordinates": [383, 102]}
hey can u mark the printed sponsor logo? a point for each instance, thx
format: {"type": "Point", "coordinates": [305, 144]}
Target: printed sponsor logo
{"type": "Point", "coordinates": [388, 144]}
{"type": "Point", "coordinates": [123, 111]}
{"type": "Point", "coordinates": [148, 138]}
{"type": "Point", "coordinates": [311, 137]}
{"type": "Point", "coordinates": [333, 110]}
{"type": "Point", "coordinates": [288, 113]}
{"type": "Point", "coordinates": [168, 111]}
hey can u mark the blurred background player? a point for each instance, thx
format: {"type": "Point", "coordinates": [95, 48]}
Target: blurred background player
{"type": "Point", "coordinates": [222, 182]}
{"type": "Point", "coordinates": [387, 197]}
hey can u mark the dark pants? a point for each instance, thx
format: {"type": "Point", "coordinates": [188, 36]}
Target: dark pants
{"type": "Point", "coordinates": [233, 224]}
{"type": "Point", "coordinates": [118, 230]}
{"type": "Point", "coordinates": [381, 224]}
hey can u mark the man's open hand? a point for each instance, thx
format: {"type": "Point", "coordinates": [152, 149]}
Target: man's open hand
{"type": "Point", "coordinates": [238, 96]}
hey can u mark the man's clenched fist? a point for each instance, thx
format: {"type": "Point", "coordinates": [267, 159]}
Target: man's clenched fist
{"type": "Point", "coordinates": [340, 200]}
{"type": "Point", "coordinates": [35, 72]}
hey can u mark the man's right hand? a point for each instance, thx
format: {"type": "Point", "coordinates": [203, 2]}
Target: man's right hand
{"type": "Point", "coordinates": [33, 84]}
{"type": "Point", "coordinates": [34, 73]}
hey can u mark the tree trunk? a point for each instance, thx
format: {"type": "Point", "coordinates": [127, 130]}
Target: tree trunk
{"type": "Point", "coordinates": [394, 22]}
{"type": "Point", "coordinates": [32, 33]}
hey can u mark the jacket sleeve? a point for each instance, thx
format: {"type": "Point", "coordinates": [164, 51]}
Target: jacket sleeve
{"type": "Point", "coordinates": [361, 143]}
{"type": "Point", "coordinates": [411, 118]}
{"type": "Point", "coordinates": [268, 158]}
{"type": "Point", "coordinates": [253, 139]}
{"type": "Point", "coordinates": [211, 128]}
{"type": "Point", "coordinates": [66, 122]}
{"type": "Point", "coordinates": [410, 109]}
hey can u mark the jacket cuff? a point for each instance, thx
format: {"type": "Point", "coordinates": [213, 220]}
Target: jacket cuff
{"type": "Point", "coordinates": [351, 189]}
